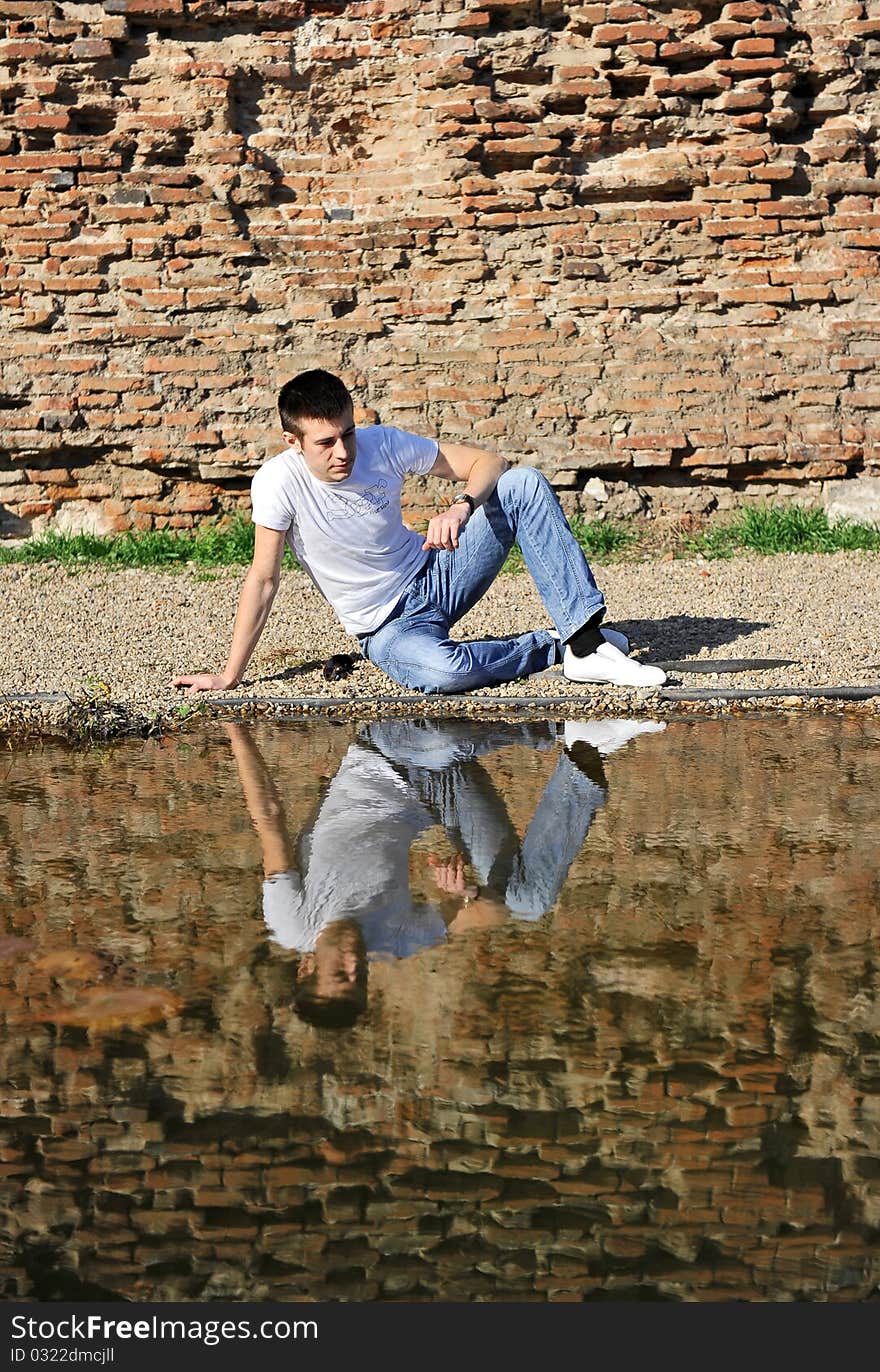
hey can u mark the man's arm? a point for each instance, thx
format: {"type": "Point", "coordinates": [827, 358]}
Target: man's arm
{"type": "Point", "coordinates": [262, 800]}
{"type": "Point", "coordinates": [479, 470]}
{"type": "Point", "coordinates": [254, 604]}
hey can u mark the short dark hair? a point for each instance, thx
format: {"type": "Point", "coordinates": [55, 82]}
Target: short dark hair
{"type": "Point", "coordinates": [311, 395]}
{"type": "Point", "coordinates": [329, 1012]}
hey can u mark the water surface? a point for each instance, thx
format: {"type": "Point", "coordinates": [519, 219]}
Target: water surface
{"type": "Point", "coordinates": [620, 1035]}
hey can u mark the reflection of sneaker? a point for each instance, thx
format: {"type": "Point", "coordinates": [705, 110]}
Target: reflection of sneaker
{"type": "Point", "coordinates": [588, 761]}
{"type": "Point", "coordinates": [613, 636]}
{"type": "Point", "coordinates": [608, 664]}
{"type": "Point", "coordinates": [607, 735]}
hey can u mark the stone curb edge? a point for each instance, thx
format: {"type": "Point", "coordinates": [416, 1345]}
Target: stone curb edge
{"type": "Point", "coordinates": [487, 702]}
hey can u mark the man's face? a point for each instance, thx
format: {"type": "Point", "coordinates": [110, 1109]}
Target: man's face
{"type": "Point", "coordinates": [338, 962]}
{"type": "Point", "coordinates": [328, 446]}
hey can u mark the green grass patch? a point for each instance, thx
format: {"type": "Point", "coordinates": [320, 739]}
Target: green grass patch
{"type": "Point", "coordinates": [604, 537]}
{"type": "Point", "coordinates": [771, 529]}
{"type": "Point", "coordinates": [231, 545]}
{"type": "Point", "coordinates": [762, 529]}
{"type": "Point", "coordinates": [227, 545]}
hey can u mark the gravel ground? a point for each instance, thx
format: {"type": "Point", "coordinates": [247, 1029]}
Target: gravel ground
{"type": "Point", "coordinates": [784, 623]}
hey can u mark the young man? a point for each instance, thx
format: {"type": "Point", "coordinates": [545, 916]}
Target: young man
{"type": "Point", "coordinates": [334, 495]}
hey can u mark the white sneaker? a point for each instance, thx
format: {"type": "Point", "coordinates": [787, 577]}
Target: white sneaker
{"type": "Point", "coordinates": [608, 664]}
{"type": "Point", "coordinates": [607, 735]}
{"type": "Point", "coordinates": [620, 641]}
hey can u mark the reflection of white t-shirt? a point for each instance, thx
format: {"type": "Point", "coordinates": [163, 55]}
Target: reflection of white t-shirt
{"type": "Point", "coordinates": [355, 865]}
{"type": "Point", "coordinates": [349, 535]}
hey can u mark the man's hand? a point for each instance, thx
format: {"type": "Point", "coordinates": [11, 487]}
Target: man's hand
{"type": "Point", "coordinates": [449, 876]}
{"type": "Point", "coordinates": [444, 528]}
{"type": "Point", "coordinates": [203, 681]}
{"type": "Point", "coordinates": [254, 604]}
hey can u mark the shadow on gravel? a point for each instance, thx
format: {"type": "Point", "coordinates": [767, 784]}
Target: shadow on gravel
{"type": "Point", "coordinates": [700, 666]}
{"type": "Point", "coordinates": [683, 634]}
{"type": "Point", "coordinates": [289, 673]}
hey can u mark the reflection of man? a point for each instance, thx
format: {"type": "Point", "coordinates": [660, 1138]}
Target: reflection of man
{"type": "Point", "coordinates": [344, 891]}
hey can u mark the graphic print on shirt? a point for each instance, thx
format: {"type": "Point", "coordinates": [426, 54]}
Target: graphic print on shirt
{"type": "Point", "coordinates": [339, 505]}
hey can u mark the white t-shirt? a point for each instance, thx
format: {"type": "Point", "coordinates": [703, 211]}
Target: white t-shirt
{"type": "Point", "coordinates": [355, 865]}
{"type": "Point", "coordinates": [349, 535]}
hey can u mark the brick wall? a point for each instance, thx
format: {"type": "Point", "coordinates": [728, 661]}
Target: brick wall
{"type": "Point", "coordinates": [634, 245]}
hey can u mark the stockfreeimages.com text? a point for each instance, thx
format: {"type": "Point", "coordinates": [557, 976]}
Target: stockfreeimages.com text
{"type": "Point", "coordinates": [209, 1332]}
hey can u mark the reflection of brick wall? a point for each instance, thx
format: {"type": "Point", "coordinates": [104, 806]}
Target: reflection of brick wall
{"type": "Point", "coordinates": [621, 241]}
{"type": "Point", "coordinates": [668, 1086]}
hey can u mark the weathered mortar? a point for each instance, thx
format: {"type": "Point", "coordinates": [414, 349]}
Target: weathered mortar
{"type": "Point", "coordinates": [634, 245]}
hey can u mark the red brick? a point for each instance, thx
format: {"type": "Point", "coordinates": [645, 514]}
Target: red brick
{"type": "Point", "coordinates": [676, 213]}
{"type": "Point", "coordinates": [12, 51]}
{"type": "Point", "coordinates": [46, 120]}
{"type": "Point", "coordinates": [38, 161]}
{"type": "Point", "coordinates": [662, 440]}
{"type": "Point", "coordinates": [528, 147]}
{"type": "Point", "coordinates": [728, 28]}
{"type": "Point", "coordinates": [699, 83]}
{"type": "Point", "coordinates": [719, 228]}
{"type": "Point", "coordinates": [693, 48]}
{"type": "Point", "coordinates": [863, 240]}
{"type": "Point", "coordinates": [750, 295]}
{"type": "Point", "coordinates": [751, 66]}
{"type": "Point", "coordinates": [58, 476]}
{"type": "Point", "coordinates": [752, 47]}
{"type": "Point", "coordinates": [745, 10]}
{"type": "Point", "coordinates": [79, 283]}
{"type": "Point", "coordinates": [88, 247]}
{"type": "Point", "coordinates": [91, 47]}
{"type": "Point", "coordinates": [618, 13]}
{"type": "Point", "coordinates": [794, 208]}
{"type": "Point", "coordinates": [743, 100]}
{"type": "Point", "coordinates": [610, 34]}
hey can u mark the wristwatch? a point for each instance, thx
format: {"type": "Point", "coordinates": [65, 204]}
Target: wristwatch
{"type": "Point", "coordinates": [464, 499]}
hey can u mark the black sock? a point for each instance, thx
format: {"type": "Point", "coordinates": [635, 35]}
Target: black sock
{"type": "Point", "coordinates": [587, 638]}
{"type": "Point", "coordinates": [588, 760]}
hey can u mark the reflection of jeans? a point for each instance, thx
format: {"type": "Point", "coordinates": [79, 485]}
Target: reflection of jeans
{"type": "Point", "coordinates": [414, 646]}
{"type": "Point", "coordinates": [435, 745]}
{"type": "Point", "coordinates": [440, 762]}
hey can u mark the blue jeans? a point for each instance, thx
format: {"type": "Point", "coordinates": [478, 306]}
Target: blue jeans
{"type": "Point", "coordinates": [413, 645]}
{"type": "Point", "coordinates": [439, 759]}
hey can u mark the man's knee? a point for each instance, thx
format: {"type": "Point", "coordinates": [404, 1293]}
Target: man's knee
{"type": "Point", "coordinates": [522, 483]}
{"type": "Point", "coordinates": [444, 670]}
{"type": "Point", "coordinates": [436, 669]}
{"type": "Point", "coordinates": [419, 661]}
